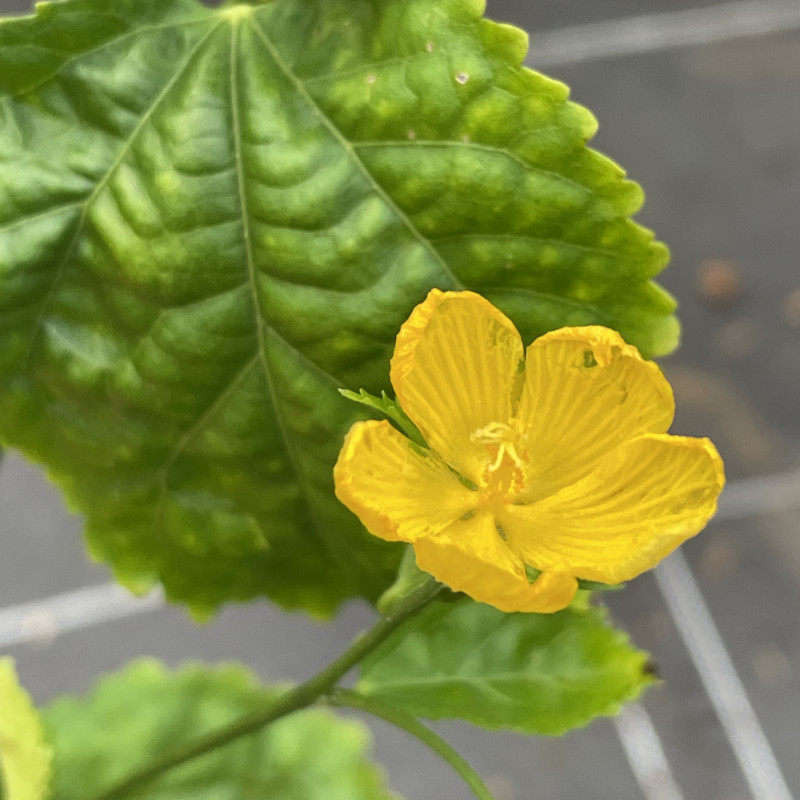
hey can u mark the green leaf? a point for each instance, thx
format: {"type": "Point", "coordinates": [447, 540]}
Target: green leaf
{"type": "Point", "coordinates": [144, 711]}
{"type": "Point", "coordinates": [537, 673]}
{"type": "Point", "coordinates": [25, 755]}
{"type": "Point", "coordinates": [211, 219]}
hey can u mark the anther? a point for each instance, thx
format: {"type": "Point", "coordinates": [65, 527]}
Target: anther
{"type": "Point", "coordinates": [502, 435]}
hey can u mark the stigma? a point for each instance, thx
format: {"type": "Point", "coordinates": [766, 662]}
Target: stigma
{"type": "Point", "coordinates": [502, 441]}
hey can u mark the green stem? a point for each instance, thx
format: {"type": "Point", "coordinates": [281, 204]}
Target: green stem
{"type": "Point", "coordinates": [410, 724]}
{"type": "Point", "coordinates": [300, 697]}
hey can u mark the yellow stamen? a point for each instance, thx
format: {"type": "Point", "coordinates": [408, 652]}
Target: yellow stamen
{"type": "Point", "coordinates": [505, 437]}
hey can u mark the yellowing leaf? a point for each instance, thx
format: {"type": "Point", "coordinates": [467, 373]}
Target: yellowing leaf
{"type": "Point", "coordinates": [25, 755]}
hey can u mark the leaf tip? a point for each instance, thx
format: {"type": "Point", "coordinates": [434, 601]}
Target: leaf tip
{"type": "Point", "coordinates": [507, 40]}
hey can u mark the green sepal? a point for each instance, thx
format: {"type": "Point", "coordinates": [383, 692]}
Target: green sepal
{"type": "Point", "coordinates": [409, 579]}
{"type": "Point", "coordinates": [596, 586]}
{"type": "Point", "coordinates": [532, 574]}
{"type": "Point", "coordinates": [590, 586]}
{"type": "Point", "coordinates": [389, 408]}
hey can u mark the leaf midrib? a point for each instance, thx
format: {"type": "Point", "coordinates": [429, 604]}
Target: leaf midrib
{"type": "Point", "coordinates": [337, 555]}
{"type": "Point", "coordinates": [500, 677]}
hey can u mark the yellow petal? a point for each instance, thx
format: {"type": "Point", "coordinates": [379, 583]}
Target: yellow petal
{"type": "Point", "coordinates": [454, 367]}
{"type": "Point", "coordinates": [586, 392]}
{"type": "Point", "coordinates": [471, 557]}
{"type": "Point", "coordinates": [643, 500]}
{"type": "Point", "coordinates": [398, 490]}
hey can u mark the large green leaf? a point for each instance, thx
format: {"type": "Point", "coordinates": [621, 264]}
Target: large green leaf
{"type": "Point", "coordinates": [537, 673]}
{"type": "Point", "coordinates": [141, 713]}
{"type": "Point", "coordinates": [25, 755]}
{"type": "Point", "coordinates": [211, 219]}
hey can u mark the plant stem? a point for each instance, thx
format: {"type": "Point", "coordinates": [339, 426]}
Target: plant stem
{"type": "Point", "coordinates": [294, 700]}
{"type": "Point", "coordinates": [410, 724]}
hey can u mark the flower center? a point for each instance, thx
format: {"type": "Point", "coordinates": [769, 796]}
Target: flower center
{"type": "Point", "coordinates": [505, 444]}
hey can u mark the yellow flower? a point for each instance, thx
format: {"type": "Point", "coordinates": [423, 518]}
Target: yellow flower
{"type": "Point", "coordinates": [557, 458]}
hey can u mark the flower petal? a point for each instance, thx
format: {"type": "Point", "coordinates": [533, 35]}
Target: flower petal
{"type": "Point", "coordinates": [586, 392]}
{"type": "Point", "coordinates": [454, 367]}
{"type": "Point", "coordinates": [471, 557]}
{"type": "Point", "coordinates": [643, 500]}
{"type": "Point", "coordinates": [397, 489]}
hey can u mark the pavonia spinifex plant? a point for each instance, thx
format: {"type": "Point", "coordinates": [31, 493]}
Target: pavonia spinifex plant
{"type": "Point", "coordinates": [221, 226]}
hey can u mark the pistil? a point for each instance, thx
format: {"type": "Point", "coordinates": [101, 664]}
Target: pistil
{"type": "Point", "coordinates": [505, 468]}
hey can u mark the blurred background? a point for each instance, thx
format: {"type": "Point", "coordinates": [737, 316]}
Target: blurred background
{"type": "Point", "coordinates": [700, 101]}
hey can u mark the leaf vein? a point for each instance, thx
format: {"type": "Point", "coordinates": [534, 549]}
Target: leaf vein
{"type": "Point", "coordinates": [349, 148]}
{"type": "Point", "coordinates": [196, 427]}
{"type": "Point", "coordinates": [263, 329]}
{"type": "Point", "coordinates": [62, 265]}
{"type": "Point", "coordinates": [50, 212]}
{"type": "Point", "coordinates": [582, 305]}
{"type": "Point", "coordinates": [459, 237]}
{"type": "Point", "coordinates": [367, 143]}
{"type": "Point", "coordinates": [365, 68]}
{"type": "Point", "coordinates": [61, 67]}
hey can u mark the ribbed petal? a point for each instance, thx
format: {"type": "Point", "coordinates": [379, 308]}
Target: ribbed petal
{"type": "Point", "coordinates": [643, 500]}
{"type": "Point", "coordinates": [454, 368]}
{"type": "Point", "coordinates": [472, 557]}
{"type": "Point", "coordinates": [399, 491]}
{"type": "Point", "coordinates": [586, 392]}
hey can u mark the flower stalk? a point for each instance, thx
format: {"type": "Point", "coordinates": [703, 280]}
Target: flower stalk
{"type": "Point", "coordinates": [295, 699]}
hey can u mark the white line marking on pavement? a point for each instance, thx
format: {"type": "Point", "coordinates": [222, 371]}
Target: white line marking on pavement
{"type": "Point", "coordinates": [52, 616]}
{"type": "Point", "coordinates": [645, 754]}
{"type": "Point", "coordinates": [718, 674]}
{"type": "Point", "coordinates": [649, 33]}
{"type": "Point", "coordinates": [763, 495]}
{"type": "Point", "coordinates": [43, 620]}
